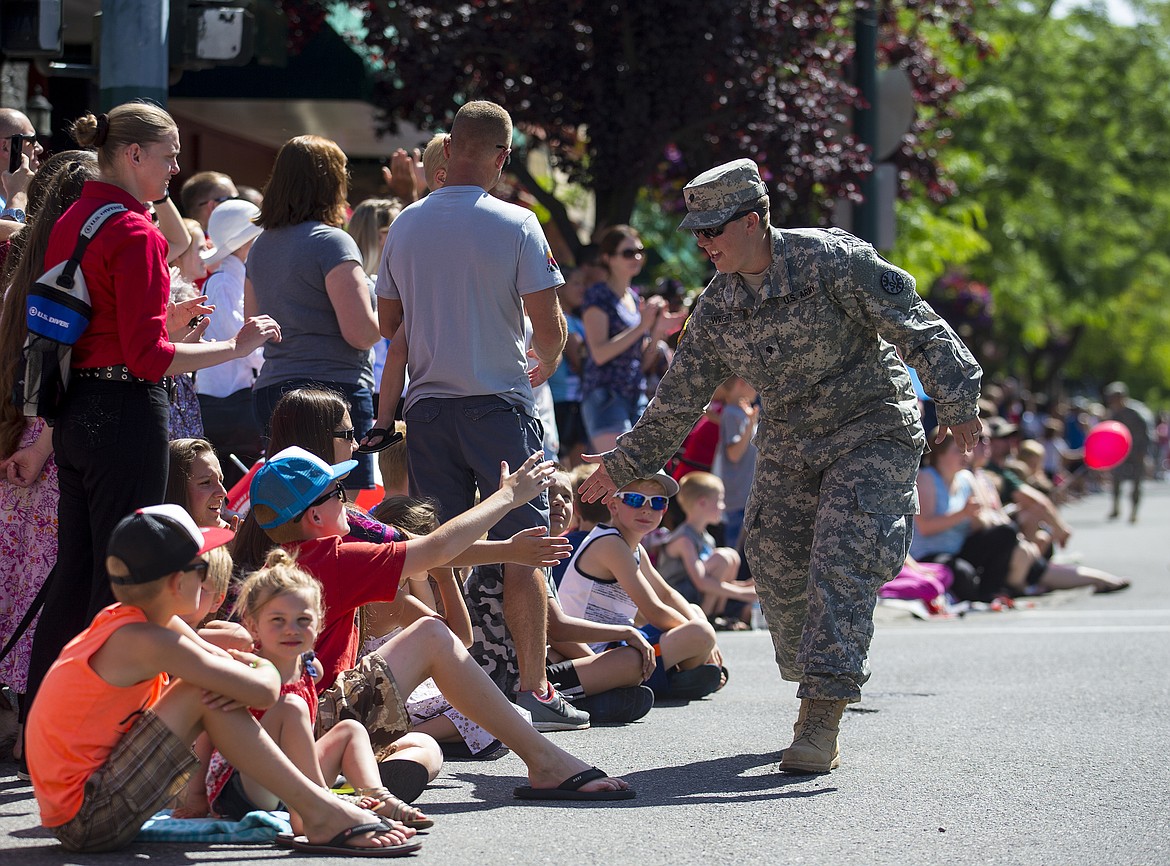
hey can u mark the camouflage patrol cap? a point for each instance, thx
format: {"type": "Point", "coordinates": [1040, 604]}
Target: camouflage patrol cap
{"type": "Point", "coordinates": [720, 193]}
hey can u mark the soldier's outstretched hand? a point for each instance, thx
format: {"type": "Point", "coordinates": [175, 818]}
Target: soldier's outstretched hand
{"type": "Point", "coordinates": [598, 485]}
{"type": "Point", "coordinates": [966, 434]}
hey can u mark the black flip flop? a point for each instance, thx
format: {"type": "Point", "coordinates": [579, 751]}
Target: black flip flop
{"type": "Point", "coordinates": [570, 789]}
{"type": "Point", "coordinates": [383, 439]}
{"type": "Point", "coordinates": [337, 845]}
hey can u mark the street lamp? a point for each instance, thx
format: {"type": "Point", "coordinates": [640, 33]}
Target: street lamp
{"type": "Point", "coordinates": [39, 112]}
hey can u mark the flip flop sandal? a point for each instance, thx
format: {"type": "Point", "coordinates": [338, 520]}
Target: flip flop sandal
{"type": "Point", "coordinates": [570, 789]}
{"type": "Point", "coordinates": [382, 439]}
{"type": "Point", "coordinates": [337, 845]}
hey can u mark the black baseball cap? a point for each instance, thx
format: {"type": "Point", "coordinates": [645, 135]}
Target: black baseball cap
{"type": "Point", "coordinates": [159, 540]}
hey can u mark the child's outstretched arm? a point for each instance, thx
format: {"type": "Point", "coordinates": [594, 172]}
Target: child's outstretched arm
{"type": "Point", "coordinates": [458, 533]}
{"type": "Point", "coordinates": [532, 546]}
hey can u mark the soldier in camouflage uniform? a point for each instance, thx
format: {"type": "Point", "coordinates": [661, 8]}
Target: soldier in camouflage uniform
{"type": "Point", "coordinates": [815, 319]}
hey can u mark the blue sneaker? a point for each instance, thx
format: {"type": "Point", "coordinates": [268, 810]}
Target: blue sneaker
{"type": "Point", "coordinates": [617, 706]}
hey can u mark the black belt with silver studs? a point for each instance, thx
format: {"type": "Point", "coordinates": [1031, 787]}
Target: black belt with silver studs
{"type": "Point", "coordinates": [121, 373]}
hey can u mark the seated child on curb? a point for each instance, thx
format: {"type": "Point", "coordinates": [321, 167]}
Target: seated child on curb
{"type": "Point", "coordinates": [280, 605]}
{"type": "Point", "coordinates": [297, 499]}
{"type": "Point", "coordinates": [690, 562]}
{"type": "Point", "coordinates": [606, 684]}
{"type": "Point", "coordinates": [610, 580]}
{"type": "Point", "coordinates": [105, 743]}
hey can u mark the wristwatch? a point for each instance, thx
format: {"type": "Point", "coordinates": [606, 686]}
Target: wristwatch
{"type": "Point", "coordinates": [12, 213]}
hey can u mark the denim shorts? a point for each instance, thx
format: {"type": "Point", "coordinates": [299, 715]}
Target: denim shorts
{"type": "Point", "coordinates": [606, 411]}
{"type": "Point", "coordinates": [454, 446]}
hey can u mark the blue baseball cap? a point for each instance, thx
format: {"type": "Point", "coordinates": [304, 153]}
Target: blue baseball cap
{"type": "Point", "coordinates": [290, 481]}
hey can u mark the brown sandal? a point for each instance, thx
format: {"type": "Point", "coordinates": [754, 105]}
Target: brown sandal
{"type": "Point", "coordinates": [398, 811]}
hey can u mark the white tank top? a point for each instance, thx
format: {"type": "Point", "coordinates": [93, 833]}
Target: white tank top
{"type": "Point", "coordinates": [592, 598]}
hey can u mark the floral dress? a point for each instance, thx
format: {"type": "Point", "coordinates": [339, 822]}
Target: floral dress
{"type": "Point", "coordinates": [28, 550]}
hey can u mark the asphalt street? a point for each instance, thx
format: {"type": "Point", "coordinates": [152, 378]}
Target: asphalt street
{"type": "Point", "coordinates": [1033, 736]}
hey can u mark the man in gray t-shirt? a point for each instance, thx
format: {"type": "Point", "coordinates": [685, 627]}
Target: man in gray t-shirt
{"type": "Point", "coordinates": [459, 271]}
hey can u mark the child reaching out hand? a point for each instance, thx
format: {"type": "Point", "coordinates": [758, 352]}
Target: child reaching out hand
{"type": "Point", "coordinates": [610, 580]}
{"type": "Point", "coordinates": [298, 501]}
{"type": "Point", "coordinates": [281, 607]}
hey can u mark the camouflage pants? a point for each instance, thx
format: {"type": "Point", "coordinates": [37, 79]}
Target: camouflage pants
{"type": "Point", "coordinates": [820, 545]}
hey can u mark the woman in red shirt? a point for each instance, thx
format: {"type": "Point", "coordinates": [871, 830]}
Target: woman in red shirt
{"type": "Point", "coordinates": [110, 442]}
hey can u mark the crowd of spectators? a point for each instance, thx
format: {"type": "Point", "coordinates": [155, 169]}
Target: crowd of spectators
{"type": "Point", "coordinates": [288, 323]}
{"type": "Point", "coordinates": [239, 326]}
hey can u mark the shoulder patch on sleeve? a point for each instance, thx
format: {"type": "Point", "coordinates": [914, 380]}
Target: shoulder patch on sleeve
{"type": "Point", "coordinates": [893, 283]}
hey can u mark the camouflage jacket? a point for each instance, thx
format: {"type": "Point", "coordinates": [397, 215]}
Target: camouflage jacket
{"type": "Point", "coordinates": [819, 345]}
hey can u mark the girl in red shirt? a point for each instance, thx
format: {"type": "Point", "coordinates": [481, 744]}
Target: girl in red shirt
{"type": "Point", "coordinates": [281, 606]}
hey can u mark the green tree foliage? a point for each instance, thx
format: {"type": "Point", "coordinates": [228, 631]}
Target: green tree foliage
{"type": "Point", "coordinates": [631, 94]}
{"type": "Point", "coordinates": [1060, 142]}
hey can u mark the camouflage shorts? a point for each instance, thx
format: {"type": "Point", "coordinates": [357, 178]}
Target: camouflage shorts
{"type": "Point", "coordinates": [367, 694]}
{"type": "Point", "coordinates": [492, 649]}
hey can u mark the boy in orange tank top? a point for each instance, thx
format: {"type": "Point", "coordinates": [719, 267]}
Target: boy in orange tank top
{"type": "Point", "coordinates": [110, 732]}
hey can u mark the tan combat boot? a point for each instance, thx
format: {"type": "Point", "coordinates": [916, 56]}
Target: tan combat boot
{"type": "Point", "coordinates": [800, 717]}
{"type": "Point", "coordinates": [814, 747]}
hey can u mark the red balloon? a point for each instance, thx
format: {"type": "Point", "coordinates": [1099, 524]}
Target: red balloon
{"type": "Point", "coordinates": [1107, 445]}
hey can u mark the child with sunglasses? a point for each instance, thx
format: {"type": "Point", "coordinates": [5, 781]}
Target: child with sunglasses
{"type": "Point", "coordinates": [611, 580]}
